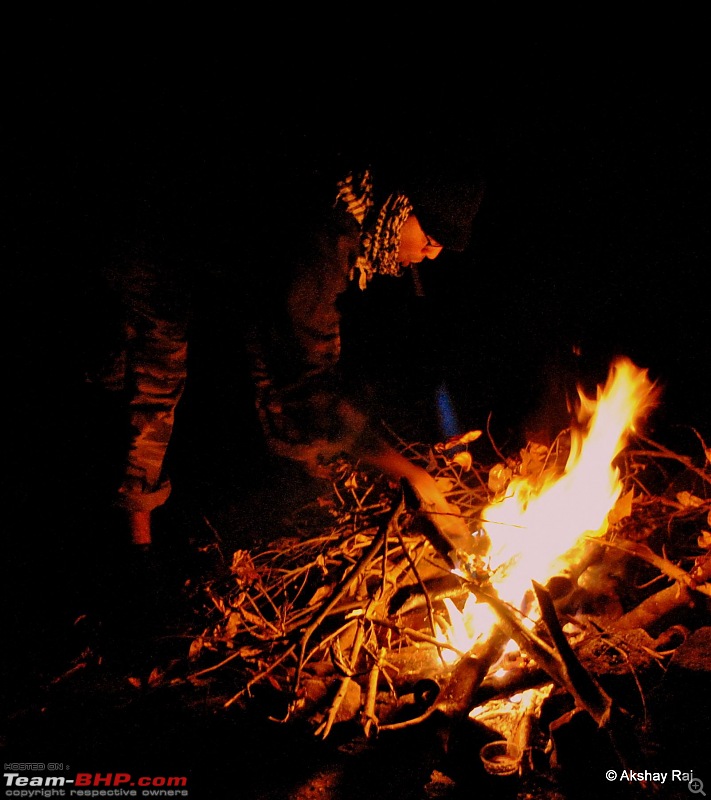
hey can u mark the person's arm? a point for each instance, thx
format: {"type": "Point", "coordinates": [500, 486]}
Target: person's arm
{"type": "Point", "coordinates": [294, 344]}
{"type": "Point", "coordinates": [374, 451]}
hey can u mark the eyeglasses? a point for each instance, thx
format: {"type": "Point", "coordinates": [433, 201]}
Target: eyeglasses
{"type": "Point", "coordinates": [432, 243]}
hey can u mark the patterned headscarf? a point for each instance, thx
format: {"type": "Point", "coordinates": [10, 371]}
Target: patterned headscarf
{"type": "Point", "coordinates": [381, 225]}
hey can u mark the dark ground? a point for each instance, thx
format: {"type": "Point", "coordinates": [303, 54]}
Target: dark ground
{"type": "Point", "coordinates": [593, 242]}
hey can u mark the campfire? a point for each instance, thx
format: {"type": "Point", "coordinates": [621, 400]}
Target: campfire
{"type": "Point", "coordinates": [586, 564]}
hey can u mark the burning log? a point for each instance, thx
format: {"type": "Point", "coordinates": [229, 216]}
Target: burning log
{"type": "Point", "coordinates": [457, 699]}
{"type": "Point", "coordinates": [587, 693]}
{"type": "Point", "coordinates": [656, 610]}
{"type": "Point", "coordinates": [412, 597]}
{"type": "Point", "coordinates": [512, 682]}
{"type": "Point", "coordinates": [687, 592]}
{"type": "Point", "coordinates": [697, 580]}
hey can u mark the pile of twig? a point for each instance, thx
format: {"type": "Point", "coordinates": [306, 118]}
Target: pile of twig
{"type": "Point", "coordinates": [315, 606]}
{"type": "Point", "coordinates": [344, 619]}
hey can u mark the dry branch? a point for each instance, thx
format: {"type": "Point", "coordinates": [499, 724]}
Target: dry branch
{"type": "Point", "coordinates": [697, 581]}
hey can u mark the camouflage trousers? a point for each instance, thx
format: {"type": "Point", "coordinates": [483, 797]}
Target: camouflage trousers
{"type": "Point", "coordinates": [147, 367]}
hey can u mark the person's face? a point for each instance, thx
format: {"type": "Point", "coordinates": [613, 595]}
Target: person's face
{"type": "Point", "coordinates": [415, 245]}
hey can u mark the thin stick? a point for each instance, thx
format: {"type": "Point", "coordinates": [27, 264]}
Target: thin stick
{"type": "Point", "coordinates": [417, 636]}
{"type": "Point", "coordinates": [325, 729]}
{"type": "Point", "coordinates": [341, 590]}
{"type": "Point", "coordinates": [369, 710]}
{"type": "Point", "coordinates": [260, 677]}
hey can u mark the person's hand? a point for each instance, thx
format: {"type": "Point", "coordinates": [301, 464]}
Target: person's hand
{"type": "Point", "coordinates": [433, 502]}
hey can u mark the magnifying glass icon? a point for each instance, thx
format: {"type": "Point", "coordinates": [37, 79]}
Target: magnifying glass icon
{"type": "Point", "coordinates": [696, 786]}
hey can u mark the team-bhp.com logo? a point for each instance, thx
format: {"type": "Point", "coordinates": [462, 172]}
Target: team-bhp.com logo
{"type": "Point", "coordinates": [14, 780]}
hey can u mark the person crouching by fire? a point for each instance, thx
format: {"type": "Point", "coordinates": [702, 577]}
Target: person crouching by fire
{"type": "Point", "coordinates": [285, 272]}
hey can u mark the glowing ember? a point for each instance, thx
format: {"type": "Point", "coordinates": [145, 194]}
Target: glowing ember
{"type": "Point", "coordinates": [543, 522]}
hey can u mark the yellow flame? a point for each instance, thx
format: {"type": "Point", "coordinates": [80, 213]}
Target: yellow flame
{"type": "Point", "coordinates": [539, 528]}
{"type": "Point", "coordinates": [467, 626]}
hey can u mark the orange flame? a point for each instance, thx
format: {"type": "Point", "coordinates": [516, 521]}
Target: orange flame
{"type": "Point", "coordinates": [540, 526]}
